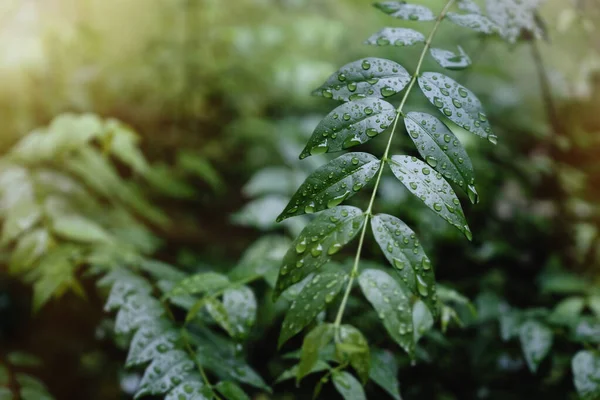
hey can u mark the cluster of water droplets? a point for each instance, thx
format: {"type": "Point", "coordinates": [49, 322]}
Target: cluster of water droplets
{"type": "Point", "coordinates": [324, 237]}
{"type": "Point", "coordinates": [409, 12]}
{"type": "Point", "coordinates": [457, 103]}
{"type": "Point", "coordinates": [369, 77]}
{"type": "Point", "coordinates": [431, 188]}
{"type": "Point", "coordinates": [333, 183]}
{"type": "Point", "coordinates": [349, 125]}
{"type": "Point", "coordinates": [396, 37]}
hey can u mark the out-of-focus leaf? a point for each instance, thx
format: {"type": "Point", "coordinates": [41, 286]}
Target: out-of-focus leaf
{"type": "Point", "coordinates": [536, 341]}
{"type": "Point", "coordinates": [384, 372]}
{"type": "Point", "coordinates": [586, 374]}
{"type": "Point", "coordinates": [348, 386]}
{"type": "Point", "coordinates": [396, 37]}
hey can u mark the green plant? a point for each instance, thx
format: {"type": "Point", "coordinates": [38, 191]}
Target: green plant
{"type": "Point", "coordinates": [406, 302]}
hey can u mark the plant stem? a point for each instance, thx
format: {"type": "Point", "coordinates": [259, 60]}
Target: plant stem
{"type": "Point", "coordinates": [384, 160]}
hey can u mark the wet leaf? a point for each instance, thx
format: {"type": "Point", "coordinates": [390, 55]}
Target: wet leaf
{"type": "Point", "coordinates": [396, 37]}
{"type": "Point", "coordinates": [240, 304]}
{"type": "Point", "coordinates": [432, 189]}
{"type": "Point", "coordinates": [137, 310]}
{"type": "Point", "coordinates": [477, 22]}
{"type": "Point", "coordinates": [353, 347]}
{"type": "Point", "coordinates": [442, 151]}
{"type": "Point", "coordinates": [348, 386]}
{"type": "Point", "coordinates": [384, 372]}
{"type": "Point", "coordinates": [293, 372]}
{"type": "Point", "coordinates": [586, 374]}
{"type": "Point", "coordinates": [536, 341]}
{"type": "Point", "coordinates": [450, 60]}
{"type": "Point", "coordinates": [392, 305]}
{"type": "Point", "coordinates": [201, 283]}
{"type": "Point", "coordinates": [457, 103]}
{"type": "Point", "coordinates": [368, 77]}
{"type": "Point", "coordinates": [314, 343]}
{"type": "Point", "coordinates": [331, 184]}
{"type": "Point", "coordinates": [514, 16]}
{"type": "Point", "coordinates": [322, 238]}
{"type": "Point", "coordinates": [469, 6]}
{"type": "Point", "coordinates": [191, 389]}
{"type": "Point", "coordinates": [218, 312]}
{"type": "Point", "coordinates": [80, 229]}
{"type": "Point", "coordinates": [404, 252]}
{"type": "Point", "coordinates": [231, 391]}
{"type": "Point", "coordinates": [164, 373]}
{"type": "Point", "coordinates": [349, 125]}
{"type": "Point", "coordinates": [314, 297]}
{"type": "Point", "coordinates": [422, 319]}
{"type": "Point", "coordinates": [402, 10]}
{"type": "Point", "coordinates": [150, 341]}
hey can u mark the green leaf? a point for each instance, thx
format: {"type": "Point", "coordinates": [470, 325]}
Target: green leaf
{"type": "Point", "coordinates": [593, 302]}
{"type": "Point", "coordinates": [150, 341]}
{"type": "Point", "coordinates": [404, 252]}
{"type": "Point", "coordinates": [450, 60]}
{"type": "Point", "coordinates": [457, 103]}
{"type": "Point", "coordinates": [313, 343]}
{"type": "Point", "coordinates": [368, 77]}
{"type": "Point", "coordinates": [125, 286]}
{"type": "Point", "coordinates": [477, 22]}
{"type": "Point", "coordinates": [567, 311]}
{"type": "Point", "coordinates": [240, 304]}
{"type": "Point", "coordinates": [32, 388]}
{"type": "Point", "coordinates": [79, 229]}
{"type": "Point", "coordinates": [396, 37]}
{"type": "Point", "coordinates": [22, 359]}
{"type": "Point", "coordinates": [353, 347]}
{"type": "Point", "coordinates": [6, 394]}
{"type": "Point", "coordinates": [510, 323]}
{"type": "Point", "coordinates": [348, 386]}
{"type": "Point", "coordinates": [192, 388]}
{"type": "Point", "coordinates": [30, 247]}
{"type": "Point", "coordinates": [469, 6]}
{"type": "Point", "coordinates": [349, 125]}
{"type": "Point", "coordinates": [323, 237]}
{"type": "Point", "coordinates": [587, 330]}
{"type": "Point", "coordinates": [314, 297]}
{"type": "Point", "coordinates": [331, 184]}
{"type": "Point", "coordinates": [231, 391]}
{"type": "Point", "coordinates": [586, 374]}
{"type": "Point", "coordinates": [219, 314]}
{"type": "Point", "coordinates": [137, 310]}
{"type": "Point", "coordinates": [292, 373]}
{"type": "Point", "coordinates": [262, 258]}
{"type": "Point", "coordinates": [422, 320]}
{"type": "Point", "coordinates": [4, 375]}
{"type": "Point", "coordinates": [410, 12]}
{"type": "Point", "coordinates": [514, 16]}
{"type": "Point", "coordinates": [391, 303]}
{"type": "Point", "coordinates": [201, 283]}
{"type": "Point", "coordinates": [384, 372]}
{"type": "Point", "coordinates": [432, 189]}
{"type": "Point", "coordinates": [164, 373]}
{"type": "Point", "coordinates": [20, 217]}
{"type": "Point", "coordinates": [536, 341]}
{"type": "Point", "coordinates": [225, 362]}
{"type": "Point", "coordinates": [442, 150]}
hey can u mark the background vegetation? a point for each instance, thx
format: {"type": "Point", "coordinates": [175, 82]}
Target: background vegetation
{"type": "Point", "coordinates": [203, 106]}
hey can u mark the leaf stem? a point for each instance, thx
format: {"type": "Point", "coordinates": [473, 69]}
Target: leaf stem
{"type": "Point", "coordinates": [384, 160]}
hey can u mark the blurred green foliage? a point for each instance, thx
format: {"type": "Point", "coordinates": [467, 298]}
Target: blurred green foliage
{"type": "Point", "coordinates": [212, 99]}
